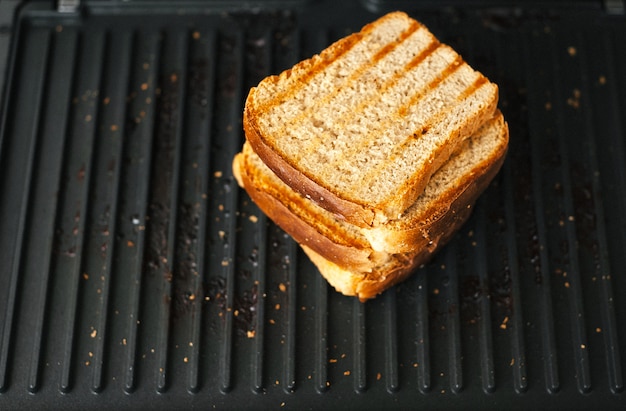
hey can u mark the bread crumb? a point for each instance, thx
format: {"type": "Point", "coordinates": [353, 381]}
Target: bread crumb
{"type": "Point", "coordinates": [195, 35]}
{"type": "Point", "coordinates": [512, 363]}
{"type": "Point", "coordinates": [130, 243]}
{"type": "Point", "coordinates": [548, 106]}
{"type": "Point", "coordinates": [185, 360]}
{"type": "Point", "coordinates": [598, 329]}
{"type": "Point", "coordinates": [346, 373]}
{"type": "Point", "coordinates": [571, 50]}
{"type": "Point", "coordinates": [144, 86]}
{"type": "Point", "coordinates": [94, 333]}
{"type": "Point", "coordinates": [602, 80]}
{"type": "Point", "coordinates": [253, 218]}
{"type": "Point", "coordinates": [251, 333]}
{"type": "Point", "coordinates": [277, 307]}
{"type": "Point", "coordinates": [217, 174]}
{"type": "Point", "coordinates": [436, 291]}
{"type": "Point", "coordinates": [504, 322]}
{"type": "Point", "coordinates": [85, 276]}
{"type": "Point", "coordinates": [282, 287]}
{"type": "Point", "coordinates": [378, 376]}
{"type": "Point", "coordinates": [332, 360]}
{"type": "Point", "coordinates": [566, 284]}
{"type": "Point", "coordinates": [574, 100]}
{"type": "Point", "coordinates": [583, 346]}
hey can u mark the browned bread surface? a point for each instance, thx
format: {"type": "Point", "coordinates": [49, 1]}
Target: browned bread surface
{"type": "Point", "coordinates": [361, 261]}
{"type": "Point", "coordinates": [361, 127]}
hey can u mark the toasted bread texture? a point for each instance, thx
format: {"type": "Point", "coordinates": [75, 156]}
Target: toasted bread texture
{"type": "Point", "coordinates": [360, 128]}
{"type": "Point", "coordinates": [365, 261]}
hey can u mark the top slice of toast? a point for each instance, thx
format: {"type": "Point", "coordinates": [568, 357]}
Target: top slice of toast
{"type": "Point", "coordinates": [361, 127]}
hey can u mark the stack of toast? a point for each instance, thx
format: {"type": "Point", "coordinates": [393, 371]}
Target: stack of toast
{"type": "Point", "coordinates": [372, 154]}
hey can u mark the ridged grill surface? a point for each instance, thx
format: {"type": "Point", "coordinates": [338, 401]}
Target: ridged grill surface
{"type": "Point", "coordinates": [135, 273]}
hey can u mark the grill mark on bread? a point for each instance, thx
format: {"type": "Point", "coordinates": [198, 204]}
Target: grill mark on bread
{"type": "Point", "coordinates": [478, 83]}
{"type": "Point", "coordinates": [425, 129]}
{"type": "Point", "coordinates": [388, 48]}
{"type": "Point", "coordinates": [419, 58]}
{"type": "Point", "coordinates": [403, 111]}
{"type": "Point", "coordinates": [357, 73]}
{"type": "Point", "coordinates": [318, 64]}
{"type": "Point", "coordinates": [447, 72]}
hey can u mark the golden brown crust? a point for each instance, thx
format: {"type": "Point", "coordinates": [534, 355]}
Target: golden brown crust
{"type": "Point", "coordinates": [352, 256]}
{"type": "Point", "coordinates": [404, 234]}
{"type": "Point", "coordinates": [368, 285]}
{"type": "Point", "coordinates": [411, 190]}
{"type": "Point", "coordinates": [343, 209]}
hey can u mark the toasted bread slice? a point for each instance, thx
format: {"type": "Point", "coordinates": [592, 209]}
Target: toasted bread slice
{"type": "Point", "coordinates": [367, 285]}
{"type": "Point", "coordinates": [361, 127]}
{"type": "Point", "coordinates": [444, 205]}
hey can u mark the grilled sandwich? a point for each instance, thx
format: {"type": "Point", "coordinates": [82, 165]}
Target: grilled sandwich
{"type": "Point", "coordinates": [365, 261]}
{"type": "Point", "coordinates": [360, 128]}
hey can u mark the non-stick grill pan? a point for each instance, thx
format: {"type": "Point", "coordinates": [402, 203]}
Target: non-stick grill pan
{"type": "Point", "coordinates": [135, 274]}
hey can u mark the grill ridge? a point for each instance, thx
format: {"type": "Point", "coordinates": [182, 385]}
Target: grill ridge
{"type": "Point", "coordinates": [202, 85]}
{"type": "Point", "coordinates": [132, 215]}
{"type": "Point", "coordinates": [455, 359]}
{"type": "Point", "coordinates": [550, 357]}
{"type": "Point", "coordinates": [606, 295]}
{"type": "Point", "coordinates": [42, 235]}
{"type": "Point", "coordinates": [17, 227]}
{"type": "Point", "coordinates": [579, 338]}
{"type": "Point", "coordinates": [109, 149]}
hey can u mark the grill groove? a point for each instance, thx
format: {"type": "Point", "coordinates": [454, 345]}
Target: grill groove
{"type": "Point", "coordinates": [107, 166]}
{"type": "Point", "coordinates": [539, 238]}
{"type": "Point", "coordinates": [37, 53]}
{"type": "Point", "coordinates": [41, 233]}
{"type": "Point", "coordinates": [604, 271]}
